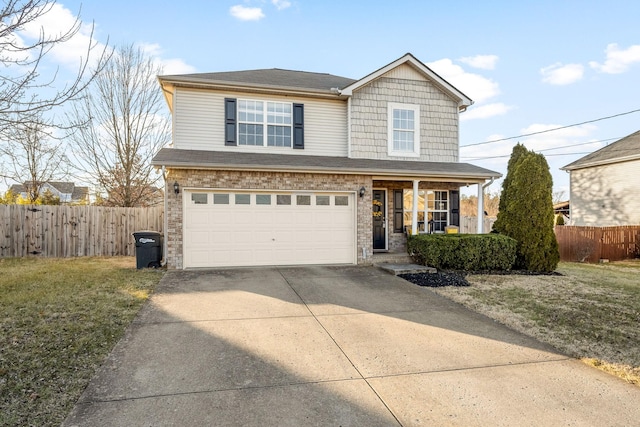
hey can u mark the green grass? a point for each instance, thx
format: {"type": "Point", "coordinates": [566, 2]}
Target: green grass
{"type": "Point", "coordinates": [591, 312]}
{"type": "Point", "coordinates": [59, 318]}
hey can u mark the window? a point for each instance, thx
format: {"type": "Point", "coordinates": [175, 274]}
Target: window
{"type": "Point", "coordinates": [342, 200]}
{"type": "Point", "coordinates": [199, 198]}
{"type": "Point", "coordinates": [438, 209]}
{"type": "Point", "coordinates": [263, 123]}
{"type": "Point", "coordinates": [283, 199]}
{"type": "Point", "coordinates": [322, 200]}
{"type": "Point", "coordinates": [255, 116]}
{"type": "Point", "coordinates": [263, 199]}
{"type": "Point", "coordinates": [243, 199]}
{"type": "Point", "coordinates": [303, 200]}
{"type": "Point", "coordinates": [404, 130]}
{"type": "Point", "coordinates": [432, 205]}
{"type": "Point", "coordinates": [220, 199]}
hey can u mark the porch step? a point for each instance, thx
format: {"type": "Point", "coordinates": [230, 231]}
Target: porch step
{"type": "Point", "coordinates": [399, 263]}
{"type": "Point", "coordinates": [397, 269]}
{"type": "Point", "coordinates": [392, 257]}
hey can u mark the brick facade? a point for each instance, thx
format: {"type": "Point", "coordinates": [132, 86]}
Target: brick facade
{"type": "Point", "coordinates": [288, 181]}
{"type": "Point", "coordinates": [284, 181]}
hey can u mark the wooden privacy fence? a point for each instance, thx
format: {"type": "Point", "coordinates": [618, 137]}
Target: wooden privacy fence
{"type": "Point", "coordinates": [591, 244]}
{"type": "Point", "coordinates": [469, 224]}
{"type": "Point", "coordinates": [69, 231]}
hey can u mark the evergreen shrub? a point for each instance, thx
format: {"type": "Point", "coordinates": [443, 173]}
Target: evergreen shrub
{"type": "Point", "coordinates": [466, 252]}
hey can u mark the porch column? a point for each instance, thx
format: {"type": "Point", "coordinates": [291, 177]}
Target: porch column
{"type": "Point", "coordinates": [480, 208]}
{"type": "Point", "coordinates": [414, 212]}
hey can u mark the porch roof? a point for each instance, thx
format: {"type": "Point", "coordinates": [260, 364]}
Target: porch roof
{"type": "Point", "coordinates": [380, 169]}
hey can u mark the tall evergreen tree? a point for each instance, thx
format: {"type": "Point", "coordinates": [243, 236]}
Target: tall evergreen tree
{"type": "Point", "coordinates": [518, 152]}
{"type": "Point", "coordinates": [527, 211]}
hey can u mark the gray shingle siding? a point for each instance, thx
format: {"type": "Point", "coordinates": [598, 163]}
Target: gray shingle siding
{"type": "Point", "coordinates": [438, 119]}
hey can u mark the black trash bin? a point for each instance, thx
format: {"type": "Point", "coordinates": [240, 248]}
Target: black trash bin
{"type": "Point", "coordinates": [148, 249]}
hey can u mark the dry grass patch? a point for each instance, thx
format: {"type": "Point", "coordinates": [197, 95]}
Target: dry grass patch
{"type": "Point", "coordinates": [591, 312]}
{"type": "Point", "coordinates": [59, 320]}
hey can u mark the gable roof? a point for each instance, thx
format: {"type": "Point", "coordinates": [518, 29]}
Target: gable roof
{"type": "Point", "coordinates": [463, 100]}
{"type": "Point", "coordinates": [222, 160]}
{"type": "Point", "coordinates": [276, 80]}
{"type": "Point", "coordinates": [625, 149]}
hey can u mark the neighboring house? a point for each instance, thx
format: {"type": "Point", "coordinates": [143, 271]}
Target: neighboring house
{"type": "Point", "coordinates": [604, 185]}
{"type": "Point", "coordinates": [68, 192]}
{"type": "Point", "coordinates": [279, 167]}
{"type": "Point", "coordinates": [562, 208]}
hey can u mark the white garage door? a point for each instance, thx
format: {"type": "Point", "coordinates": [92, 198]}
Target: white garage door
{"type": "Point", "coordinates": [268, 228]}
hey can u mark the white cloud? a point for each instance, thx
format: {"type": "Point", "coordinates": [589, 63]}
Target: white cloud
{"type": "Point", "coordinates": [485, 62]}
{"type": "Point", "coordinates": [475, 86]}
{"type": "Point", "coordinates": [281, 4]}
{"type": "Point", "coordinates": [559, 74]}
{"type": "Point", "coordinates": [618, 60]}
{"type": "Point", "coordinates": [246, 13]}
{"type": "Point", "coordinates": [169, 65]}
{"type": "Point", "coordinates": [56, 22]}
{"type": "Point", "coordinates": [485, 111]}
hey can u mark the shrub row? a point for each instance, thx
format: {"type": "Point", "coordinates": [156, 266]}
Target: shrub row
{"type": "Point", "coordinates": [470, 252]}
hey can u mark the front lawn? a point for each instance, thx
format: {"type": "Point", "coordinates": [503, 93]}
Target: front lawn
{"type": "Point", "coordinates": [591, 312]}
{"type": "Point", "coordinates": [59, 319]}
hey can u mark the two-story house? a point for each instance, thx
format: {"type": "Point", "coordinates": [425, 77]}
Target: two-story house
{"type": "Point", "coordinates": [604, 185]}
{"type": "Point", "coordinates": [279, 167]}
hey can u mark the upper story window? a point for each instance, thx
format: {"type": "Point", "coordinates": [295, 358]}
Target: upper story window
{"type": "Point", "coordinates": [256, 116]}
{"type": "Point", "coordinates": [264, 123]}
{"type": "Point", "coordinates": [404, 129]}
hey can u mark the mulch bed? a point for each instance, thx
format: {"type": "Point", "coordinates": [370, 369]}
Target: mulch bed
{"type": "Point", "coordinates": [436, 280]}
{"type": "Point", "coordinates": [457, 278]}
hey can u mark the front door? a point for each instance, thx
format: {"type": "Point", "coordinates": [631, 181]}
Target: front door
{"type": "Point", "coordinates": [379, 220]}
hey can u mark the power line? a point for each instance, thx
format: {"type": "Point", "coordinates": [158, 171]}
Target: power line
{"type": "Point", "coordinates": [551, 130]}
{"type": "Point", "coordinates": [546, 149]}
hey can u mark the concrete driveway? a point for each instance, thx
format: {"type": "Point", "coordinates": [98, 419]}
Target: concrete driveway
{"type": "Point", "coordinates": [335, 346]}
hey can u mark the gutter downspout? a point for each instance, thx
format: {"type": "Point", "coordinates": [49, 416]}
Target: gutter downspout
{"type": "Point", "coordinates": [165, 225]}
{"type": "Point", "coordinates": [481, 204]}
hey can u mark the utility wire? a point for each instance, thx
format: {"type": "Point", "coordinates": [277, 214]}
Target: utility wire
{"type": "Point", "coordinates": [551, 130]}
{"type": "Point", "coordinates": [545, 149]}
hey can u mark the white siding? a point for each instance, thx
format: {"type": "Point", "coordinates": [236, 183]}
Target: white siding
{"type": "Point", "coordinates": [606, 195]}
{"type": "Point", "coordinates": [405, 72]}
{"type": "Point", "coordinates": [199, 123]}
{"type": "Point", "coordinates": [438, 117]}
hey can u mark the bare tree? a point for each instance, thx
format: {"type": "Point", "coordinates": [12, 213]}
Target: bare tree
{"type": "Point", "coordinates": [34, 157]}
{"type": "Point", "coordinates": [126, 124]}
{"type": "Point", "coordinates": [25, 94]}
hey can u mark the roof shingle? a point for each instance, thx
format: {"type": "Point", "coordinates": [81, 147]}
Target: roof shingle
{"type": "Point", "coordinates": [190, 159]}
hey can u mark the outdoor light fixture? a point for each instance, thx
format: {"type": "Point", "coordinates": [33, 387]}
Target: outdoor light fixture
{"type": "Point", "coordinates": [361, 192]}
{"type": "Point", "coordinates": [176, 187]}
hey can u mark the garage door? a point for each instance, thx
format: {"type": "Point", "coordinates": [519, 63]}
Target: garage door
{"type": "Point", "coordinates": [268, 228]}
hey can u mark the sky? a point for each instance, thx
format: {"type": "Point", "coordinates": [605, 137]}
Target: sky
{"type": "Point", "coordinates": [529, 66]}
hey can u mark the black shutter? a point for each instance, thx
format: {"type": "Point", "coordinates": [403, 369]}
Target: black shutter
{"type": "Point", "coordinates": [298, 126]}
{"type": "Point", "coordinates": [230, 121]}
{"type": "Point", "coordinates": [454, 207]}
{"type": "Point", "coordinates": [398, 214]}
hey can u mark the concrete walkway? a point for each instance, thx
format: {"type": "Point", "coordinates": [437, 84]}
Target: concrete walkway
{"type": "Point", "coordinates": [335, 346]}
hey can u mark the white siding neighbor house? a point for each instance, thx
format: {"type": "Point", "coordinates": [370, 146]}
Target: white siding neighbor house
{"type": "Point", "coordinates": [605, 185]}
{"type": "Point", "coordinates": [280, 167]}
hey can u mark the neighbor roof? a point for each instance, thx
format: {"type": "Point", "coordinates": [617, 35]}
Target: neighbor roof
{"type": "Point", "coordinates": [203, 159]}
{"type": "Point", "coordinates": [625, 149]}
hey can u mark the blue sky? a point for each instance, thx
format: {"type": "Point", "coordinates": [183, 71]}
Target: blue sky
{"type": "Point", "coordinates": [529, 66]}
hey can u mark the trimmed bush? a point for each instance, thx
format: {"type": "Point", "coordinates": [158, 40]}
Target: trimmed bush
{"type": "Point", "coordinates": [468, 252]}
